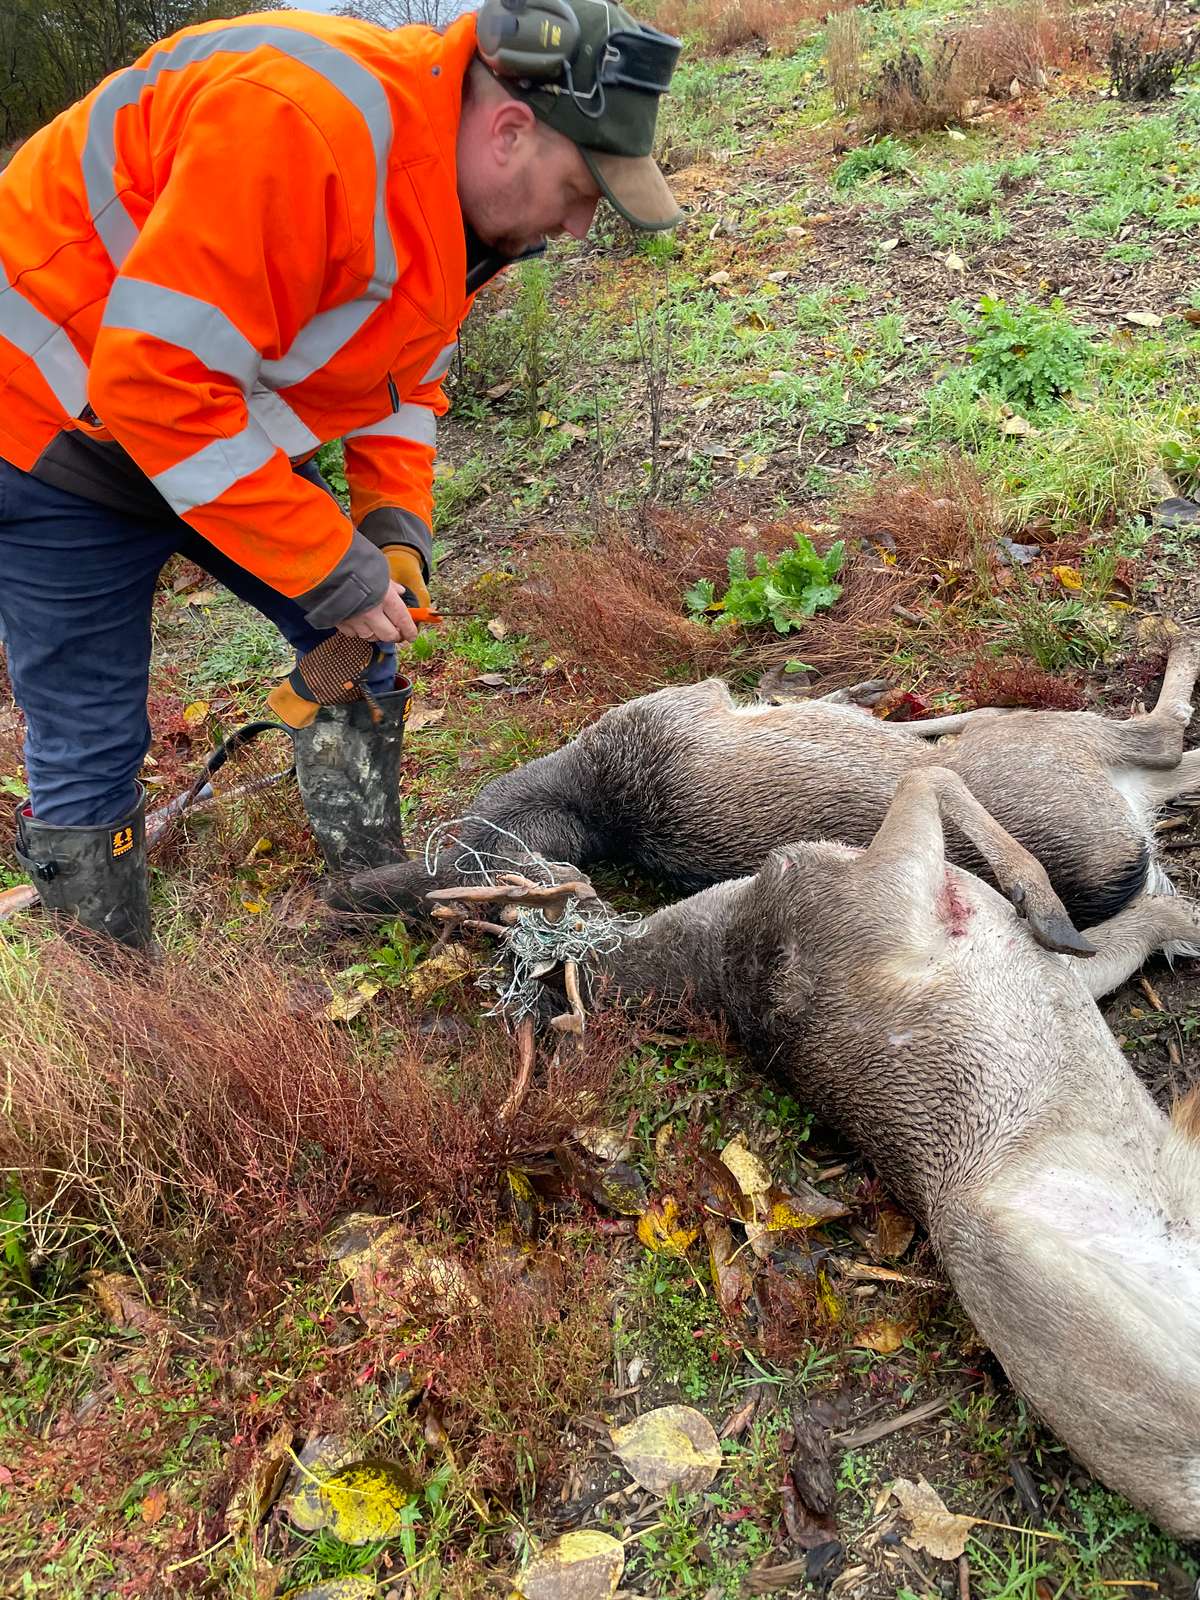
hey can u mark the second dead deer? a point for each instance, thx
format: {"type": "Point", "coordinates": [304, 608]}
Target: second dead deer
{"type": "Point", "coordinates": [905, 1004]}
{"type": "Point", "coordinates": [693, 788]}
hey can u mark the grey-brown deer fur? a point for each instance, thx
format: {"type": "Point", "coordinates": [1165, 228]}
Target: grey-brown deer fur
{"type": "Point", "coordinates": [695, 789]}
{"type": "Point", "coordinates": [902, 999]}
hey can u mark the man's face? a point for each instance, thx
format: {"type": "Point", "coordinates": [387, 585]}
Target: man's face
{"type": "Point", "coordinates": [525, 183]}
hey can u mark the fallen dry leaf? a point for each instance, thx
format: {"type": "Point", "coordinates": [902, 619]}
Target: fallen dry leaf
{"type": "Point", "coordinates": [153, 1505]}
{"type": "Point", "coordinates": [673, 1446]}
{"type": "Point", "coordinates": [120, 1301]}
{"type": "Point", "coordinates": [1144, 319]}
{"type": "Point", "coordinates": [893, 1234]}
{"type": "Point", "coordinates": [352, 1587]}
{"type": "Point", "coordinates": [884, 1337]}
{"type": "Point", "coordinates": [397, 1279]}
{"type": "Point", "coordinates": [752, 1176]}
{"type": "Point", "coordinates": [423, 717]}
{"type": "Point", "coordinates": [451, 965]}
{"type": "Point", "coordinates": [660, 1230]}
{"type": "Point", "coordinates": [322, 1456]}
{"type": "Point", "coordinates": [1069, 578]}
{"type": "Point", "coordinates": [935, 1530]}
{"type": "Point", "coordinates": [730, 1278]}
{"type": "Point", "coordinates": [255, 1494]}
{"type": "Point", "coordinates": [363, 1502]}
{"type": "Point", "coordinates": [195, 713]}
{"type": "Point", "coordinates": [585, 1565]}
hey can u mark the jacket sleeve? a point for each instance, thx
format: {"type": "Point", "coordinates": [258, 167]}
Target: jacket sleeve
{"type": "Point", "coordinates": [246, 244]}
{"type": "Point", "coordinates": [389, 467]}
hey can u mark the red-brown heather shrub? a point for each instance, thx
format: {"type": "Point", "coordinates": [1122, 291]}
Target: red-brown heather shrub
{"type": "Point", "coordinates": [915, 93]}
{"type": "Point", "coordinates": [1013, 683]}
{"type": "Point", "coordinates": [943, 515]}
{"type": "Point", "coordinates": [206, 1109]}
{"type": "Point", "coordinates": [720, 27]}
{"type": "Point", "coordinates": [614, 609]}
{"type": "Point", "coordinates": [1026, 41]}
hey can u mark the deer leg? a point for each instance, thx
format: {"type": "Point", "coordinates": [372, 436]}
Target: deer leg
{"type": "Point", "coordinates": [1184, 779]}
{"type": "Point", "coordinates": [933, 727]}
{"type": "Point", "coordinates": [913, 824]}
{"type": "Point", "coordinates": [1156, 740]}
{"type": "Point", "coordinates": [1147, 924]}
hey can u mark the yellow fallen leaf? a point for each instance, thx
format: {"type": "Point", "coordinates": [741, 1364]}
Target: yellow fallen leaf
{"type": "Point", "coordinates": [884, 1337]}
{"type": "Point", "coordinates": [828, 1297]}
{"type": "Point", "coordinates": [194, 713]}
{"type": "Point", "coordinates": [585, 1565]}
{"type": "Point", "coordinates": [254, 907]}
{"type": "Point", "coordinates": [345, 1007]}
{"type": "Point", "coordinates": [547, 419]}
{"type": "Point", "coordinates": [363, 1502]}
{"type": "Point", "coordinates": [451, 965]}
{"type": "Point", "coordinates": [753, 1179]}
{"type": "Point", "coordinates": [671, 1446]}
{"type": "Point", "coordinates": [354, 1586]}
{"type": "Point", "coordinates": [322, 1456]}
{"type": "Point", "coordinates": [659, 1228]}
{"type": "Point", "coordinates": [935, 1530]}
{"type": "Point", "coordinates": [1069, 578]}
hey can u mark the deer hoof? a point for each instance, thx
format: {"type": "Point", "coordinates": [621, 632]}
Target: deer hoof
{"type": "Point", "coordinates": [1049, 924]}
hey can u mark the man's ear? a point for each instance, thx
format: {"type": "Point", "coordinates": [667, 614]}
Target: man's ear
{"type": "Point", "coordinates": [512, 122]}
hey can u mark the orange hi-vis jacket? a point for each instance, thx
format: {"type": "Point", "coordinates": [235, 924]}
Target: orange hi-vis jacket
{"type": "Point", "coordinates": [242, 246]}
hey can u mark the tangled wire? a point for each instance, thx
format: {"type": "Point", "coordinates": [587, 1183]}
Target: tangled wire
{"type": "Point", "coordinates": [538, 942]}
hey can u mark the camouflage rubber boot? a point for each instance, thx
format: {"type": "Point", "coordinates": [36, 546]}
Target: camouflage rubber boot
{"type": "Point", "coordinates": [98, 875]}
{"type": "Point", "coordinates": [348, 768]}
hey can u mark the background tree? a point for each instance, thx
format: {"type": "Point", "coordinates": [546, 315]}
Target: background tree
{"type": "Point", "coordinates": [54, 51]}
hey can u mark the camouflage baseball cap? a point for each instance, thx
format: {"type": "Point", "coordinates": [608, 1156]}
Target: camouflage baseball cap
{"type": "Point", "coordinates": [604, 98]}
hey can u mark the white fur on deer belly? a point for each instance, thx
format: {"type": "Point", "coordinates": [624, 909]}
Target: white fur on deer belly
{"type": "Point", "coordinates": [1101, 1218]}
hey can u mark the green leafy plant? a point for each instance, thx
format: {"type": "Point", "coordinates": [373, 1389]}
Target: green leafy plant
{"type": "Point", "coordinates": [783, 592]}
{"type": "Point", "coordinates": [1029, 355]}
{"type": "Point", "coordinates": [885, 156]}
{"type": "Point", "coordinates": [1182, 461]}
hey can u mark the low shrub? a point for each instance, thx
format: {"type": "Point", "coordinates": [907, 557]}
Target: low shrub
{"type": "Point", "coordinates": [1028, 355]}
{"type": "Point", "coordinates": [919, 93]}
{"type": "Point", "coordinates": [844, 58]}
{"type": "Point", "coordinates": [1146, 56]}
{"type": "Point", "coordinates": [207, 1111]}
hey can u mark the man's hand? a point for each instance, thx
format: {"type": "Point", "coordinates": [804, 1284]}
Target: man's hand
{"type": "Point", "coordinates": [387, 623]}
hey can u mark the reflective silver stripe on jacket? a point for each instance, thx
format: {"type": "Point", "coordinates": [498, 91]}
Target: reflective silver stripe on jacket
{"type": "Point", "coordinates": [46, 344]}
{"type": "Point", "coordinates": [328, 331]}
{"type": "Point", "coordinates": [216, 467]}
{"type": "Point", "coordinates": [441, 365]}
{"type": "Point", "coordinates": [415, 423]}
{"type": "Point", "coordinates": [281, 424]}
{"type": "Point", "coordinates": [203, 330]}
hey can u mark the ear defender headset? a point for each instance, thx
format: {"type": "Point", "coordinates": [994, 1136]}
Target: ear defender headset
{"type": "Point", "coordinates": [535, 44]}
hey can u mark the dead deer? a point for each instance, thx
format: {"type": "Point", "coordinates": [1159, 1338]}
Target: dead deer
{"type": "Point", "coordinates": [693, 788]}
{"type": "Point", "coordinates": [910, 1008]}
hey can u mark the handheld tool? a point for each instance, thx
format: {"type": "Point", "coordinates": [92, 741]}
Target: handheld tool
{"type": "Point", "coordinates": [335, 672]}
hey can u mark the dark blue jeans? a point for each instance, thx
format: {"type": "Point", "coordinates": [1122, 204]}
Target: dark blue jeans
{"type": "Point", "coordinates": [76, 589]}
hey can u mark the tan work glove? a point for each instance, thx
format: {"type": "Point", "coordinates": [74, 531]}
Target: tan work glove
{"type": "Point", "coordinates": [405, 566]}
